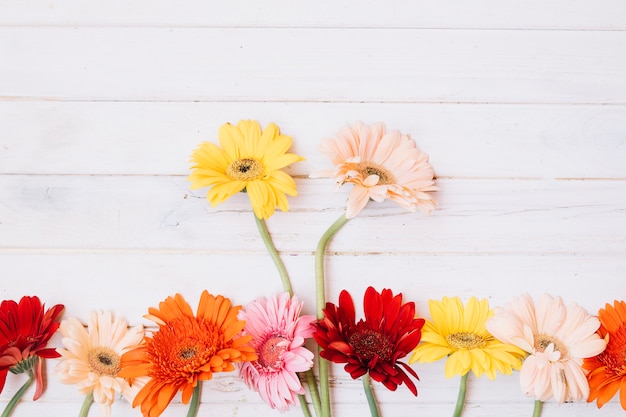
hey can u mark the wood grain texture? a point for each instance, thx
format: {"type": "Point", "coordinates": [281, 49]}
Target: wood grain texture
{"type": "Point", "coordinates": [520, 105]}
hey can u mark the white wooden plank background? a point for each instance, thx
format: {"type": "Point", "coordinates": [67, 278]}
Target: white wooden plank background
{"type": "Point", "coordinates": [521, 106]}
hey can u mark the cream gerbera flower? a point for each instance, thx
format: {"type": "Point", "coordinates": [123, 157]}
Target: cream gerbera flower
{"type": "Point", "coordinates": [91, 358]}
{"type": "Point", "coordinates": [249, 160]}
{"type": "Point", "coordinates": [381, 165]}
{"type": "Point", "coordinates": [459, 333]}
{"type": "Point", "coordinates": [557, 338]}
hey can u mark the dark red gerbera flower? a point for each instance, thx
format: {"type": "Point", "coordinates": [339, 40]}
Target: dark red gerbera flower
{"type": "Point", "coordinates": [389, 332]}
{"type": "Point", "coordinates": [25, 329]}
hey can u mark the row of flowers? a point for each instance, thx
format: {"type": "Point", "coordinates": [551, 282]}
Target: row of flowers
{"type": "Point", "coordinates": [562, 352]}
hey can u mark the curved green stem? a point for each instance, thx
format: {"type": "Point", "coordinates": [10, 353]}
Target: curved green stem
{"type": "Point", "coordinates": [320, 299]}
{"type": "Point", "coordinates": [538, 408]}
{"type": "Point", "coordinates": [367, 386]}
{"type": "Point", "coordinates": [84, 410]}
{"type": "Point", "coordinates": [18, 395]}
{"type": "Point", "coordinates": [314, 391]}
{"type": "Point", "coordinates": [460, 401]}
{"type": "Point", "coordinates": [304, 406]}
{"type": "Point", "coordinates": [195, 400]}
{"type": "Point", "coordinates": [269, 244]}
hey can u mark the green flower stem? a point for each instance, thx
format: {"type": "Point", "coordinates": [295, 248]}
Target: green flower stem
{"type": "Point", "coordinates": [18, 395]}
{"type": "Point", "coordinates": [320, 299]}
{"type": "Point", "coordinates": [195, 400]}
{"type": "Point", "coordinates": [367, 386]}
{"type": "Point", "coordinates": [84, 410]}
{"type": "Point", "coordinates": [284, 276]}
{"type": "Point", "coordinates": [460, 401]}
{"type": "Point", "coordinates": [538, 408]}
{"type": "Point", "coordinates": [269, 244]}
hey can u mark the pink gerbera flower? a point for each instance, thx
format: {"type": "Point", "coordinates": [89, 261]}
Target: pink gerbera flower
{"type": "Point", "coordinates": [278, 333]}
{"type": "Point", "coordinates": [382, 165]}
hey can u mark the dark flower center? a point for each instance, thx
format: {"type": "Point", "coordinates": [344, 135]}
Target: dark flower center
{"type": "Point", "coordinates": [465, 340]}
{"type": "Point", "coordinates": [271, 352]}
{"type": "Point", "coordinates": [368, 344]}
{"type": "Point", "coordinates": [187, 353]}
{"type": "Point", "coordinates": [542, 342]}
{"type": "Point", "coordinates": [104, 361]}
{"type": "Point", "coordinates": [246, 169]}
{"type": "Point", "coordinates": [384, 176]}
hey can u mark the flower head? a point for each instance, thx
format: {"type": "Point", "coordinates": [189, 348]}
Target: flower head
{"type": "Point", "coordinates": [607, 370]}
{"type": "Point", "coordinates": [381, 165]}
{"type": "Point", "coordinates": [25, 330]}
{"type": "Point", "coordinates": [556, 337]}
{"type": "Point", "coordinates": [374, 345]}
{"type": "Point", "coordinates": [459, 333]}
{"type": "Point", "coordinates": [186, 349]}
{"type": "Point", "coordinates": [249, 160]}
{"type": "Point", "coordinates": [278, 333]}
{"type": "Point", "coordinates": [91, 358]}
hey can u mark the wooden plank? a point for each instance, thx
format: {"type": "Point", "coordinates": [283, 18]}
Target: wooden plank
{"type": "Point", "coordinates": [506, 14]}
{"type": "Point", "coordinates": [337, 65]}
{"type": "Point", "coordinates": [130, 282]}
{"type": "Point", "coordinates": [474, 216]}
{"type": "Point", "coordinates": [148, 138]}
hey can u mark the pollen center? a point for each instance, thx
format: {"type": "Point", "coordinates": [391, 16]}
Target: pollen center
{"type": "Point", "coordinates": [465, 340]}
{"type": "Point", "coordinates": [187, 352]}
{"type": "Point", "coordinates": [542, 342]}
{"type": "Point", "coordinates": [104, 361]}
{"type": "Point", "coordinates": [246, 169]}
{"type": "Point", "coordinates": [271, 352]}
{"type": "Point", "coordinates": [384, 176]}
{"type": "Point", "coordinates": [369, 344]}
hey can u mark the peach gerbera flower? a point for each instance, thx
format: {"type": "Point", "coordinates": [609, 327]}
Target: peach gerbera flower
{"type": "Point", "coordinates": [381, 165]}
{"type": "Point", "coordinates": [278, 333]}
{"type": "Point", "coordinates": [186, 350]}
{"type": "Point", "coordinates": [556, 337]}
{"type": "Point", "coordinates": [607, 371]}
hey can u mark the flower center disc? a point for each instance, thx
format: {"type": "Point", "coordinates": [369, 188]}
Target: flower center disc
{"type": "Point", "coordinates": [104, 361]}
{"type": "Point", "coordinates": [384, 176]}
{"type": "Point", "coordinates": [246, 169]}
{"type": "Point", "coordinates": [369, 344]}
{"type": "Point", "coordinates": [270, 353]}
{"type": "Point", "coordinates": [542, 341]}
{"type": "Point", "coordinates": [464, 340]}
{"type": "Point", "coordinates": [614, 356]}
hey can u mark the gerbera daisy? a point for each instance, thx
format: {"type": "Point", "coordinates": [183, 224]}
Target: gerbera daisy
{"type": "Point", "coordinates": [249, 160]}
{"type": "Point", "coordinates": [607, 370]}
{"type": "Point", "coordinates": [381, 165]}
{"type": "Point", "coordinates": [372, 346]}
{"type": "Point", "coordinates": [557, 338]}
{"type": "Point", "coordinates": [278, 333]}
{"type": "Point", "coordinates": [185, 350]}
{"type": "Point", "coordinates": [25, 330]}
{"type": "Point", "coordinates": [91, 358]}
{"type": "Point", "coordinates": [459, 333]}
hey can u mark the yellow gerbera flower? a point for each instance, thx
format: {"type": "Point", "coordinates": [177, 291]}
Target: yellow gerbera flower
{"type": "Point", "coordinates": [459, 333]}
{"type": "Point", "coordinates": [249, 160]}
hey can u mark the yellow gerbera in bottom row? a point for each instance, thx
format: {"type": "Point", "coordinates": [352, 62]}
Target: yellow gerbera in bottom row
{"type": "Point", "coordinates": [459, 333]}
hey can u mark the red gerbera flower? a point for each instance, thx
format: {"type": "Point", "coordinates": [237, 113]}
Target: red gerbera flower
{"type": "Point", "coordinates": [389, 332]}
{"type": "Point", "coordinates": [25, 329]}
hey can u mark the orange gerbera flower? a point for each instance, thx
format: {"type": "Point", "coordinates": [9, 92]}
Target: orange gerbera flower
{"type": "Point", "coordinates": [607, 371]}
{"type": "Point", "coordinates": [186, 349]}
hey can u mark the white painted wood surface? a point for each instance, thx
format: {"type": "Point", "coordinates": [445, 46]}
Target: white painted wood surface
{"type": "Point", "coordinates": [521, 106]}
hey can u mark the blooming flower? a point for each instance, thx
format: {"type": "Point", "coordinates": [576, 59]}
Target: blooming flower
{"type": "Point", "coordinates": [185, 350]}
{"type": "Point", "coordinates": [381, 165]}
{"type": "Point", "coordinates": [607, 370]}
{"type": "Point", "coordinates": [250, 160]}
{"type": "Point", "coordinates": [556, 337]}
{"type": "Point", "coordinates": [25, 330]}
{"type": "Point", "coordinates": [278, 333]}
{"type": "Point", "coordinates": [91, 358]}
{"type": "Point", "coordinates": [374, 345]}
{"type": "Point", "coordinates": [459, 333]}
